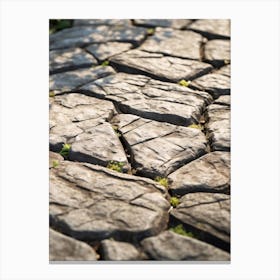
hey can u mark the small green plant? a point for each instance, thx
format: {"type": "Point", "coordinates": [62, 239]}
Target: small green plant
{"type": "Point", "coordinates": [65, 150]}
{"type": "Point", "coordinates": [105, 63]}
{"type": "Point", "coordinates": [162, 181]}
{"type": "Point", "coordinates": [115, 165]}
{"type": "Point", "coordinates": [59, 24]}
{"type": "Point", "coordinates": [51, 94]}
{"type": "Point", "coordinates": [174, 201]}
{"type": "Point", "coordinates": [179, 229]}
{"type": "Point", "coordinates": [55, 163]}
{"type": "Point", "coordinates": [150, 31]}
{"type": "Point", "coordinates": [197, 126]}
{"type": "Point", "coordinates": [116, 129]}
{"type": "Point", "coordinates": [184, 83]}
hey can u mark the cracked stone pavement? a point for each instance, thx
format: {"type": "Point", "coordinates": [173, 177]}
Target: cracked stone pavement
{"type": "Point", "coordinates": [144, 108]}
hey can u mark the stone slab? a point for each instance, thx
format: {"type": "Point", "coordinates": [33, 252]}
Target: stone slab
{"type": "Point", "coordinates": [71, 80]}
{"type": "Point", "coordinates": [170, 246]}
{"type": "Point", "coordinates": [81, 36]}
{"type": "Point", "coordinates": [155, 65]}
{"type": "Point", "coordinates": [177, 43]}
{"type": "Point", "coordinates": [218, 127]}
{"type": "Point", "coordinates": [159, 148]}
{"type": "Point", "coordinates": [69, 59]}
{"type": "Point", "coordinates": [212, 28]}
{"type": "Point", "coordinates": [65, 248]}
{"type": "Point", "coordinates": [106, 50]}
{"type": "Point", "coordinates": [89, 202]}
{"type": "Point", "coordinates": [152, 99]}
{"type": "Point", "coordinates": [209, 173]}
{"type": "Point", "coordinates": [217, 52]}
{"type": "Point", "coordinates": [208, 212]}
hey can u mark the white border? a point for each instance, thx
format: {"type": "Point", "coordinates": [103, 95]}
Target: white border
{"type": "Point", "coordinates": [24, 138]}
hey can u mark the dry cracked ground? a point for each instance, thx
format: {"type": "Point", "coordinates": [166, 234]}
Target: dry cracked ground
{"type": "Point", "coordinates": [139, 115]}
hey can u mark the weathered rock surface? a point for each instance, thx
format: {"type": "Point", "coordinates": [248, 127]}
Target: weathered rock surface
{"type": "Point", "coordinates": [71, 80]}
{"type": "Point", "coordinates": [54, 159]}
{"type": "Point", "coordinates": [80, 120]}
{"type": "Point", "coordinates": [80, 36]}
{"type": "Point", "coordinates": [208, 212]}
{"type": "Point", "coordinates": [212, 28]}
{"type": "Point", "coordinates": [216, 83]}
{"type": "Point", "coordinates": [80, 22]}
{"type": "Point", "coordinates": [159, 148]}
{"type": "Point", "coordinates": [90, 202]}
{"type": "Point", "coordinates": [158, 66]}
{"type": "Point", "coordinates": [218, 127]}
{"type": "Point", "coordinates": [69, 59]}
{"type": "Point", "coordinates": [173, 23]}
{"type": "Point", "coordinates": [106, 50]}
{"type": "Point", "coordinates": [209, 173]}
{"type": "Point", "coordinates": [217, 52]}
{"type": "Point", "coordinates": [65, 248]}
{"type": "Point", "coordinates": [152, 99]}
{"type": "Point", "coordinates": [223, 100]}
{"type": "Point", "coordinates": [178, 43]}
{"type": "Point", "coordinates": [174, 247]}
{"type": "Point", "coordinates": [119, 251]}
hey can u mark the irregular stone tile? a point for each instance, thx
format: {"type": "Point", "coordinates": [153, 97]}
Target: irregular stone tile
{"type": "Point", "coordinates": [69, 59]}
{"type": "Point", "coordinates": [225, 70]}
{"type": "Point", "coordinates": [90, 202]}
{"type": "Point", "coordinates": [184, 44]}
{"type": "Point", "coordinates": [119, 251]}
{"type": "Point", "coordinates": [174, 247]}
{"type": "Point", "coordinates": [152, 99]}
{"type": "Point", "coordinates": [159, 148]}
{"type": "Point", "coordinates": [80, 36]}
{"type": "Point", "coordinates": [209, 173]}
{"type": "Point", "coordinates": [173, 23]}
{"type": "Point", "coordinates": [69, 81]}
{"type": "Point", "coordinates": [54, 159]}
{"type": "Point", "coordinates": [223, 100]}
{"type": "Point", "coordinates": [217, 52]}
{"type": "Point", "coordinates": [104, 51]}
{"type": "Point", "coordinates": [158, 66]}
{"type": "Point", "coordinates": [65, 248]}
{"type": "Point", "coordinates": [218, 127]}
{"type": "Point", "coordinates": [208, 212]}
{"type": "Point", "coordinates": [80, 120]}
{"type": "Point", "coordinates": [79, 22]}
{"type": "Point", "coordinates": [216, 83]}
{"type": "Point", "coordinates": [212, 28]}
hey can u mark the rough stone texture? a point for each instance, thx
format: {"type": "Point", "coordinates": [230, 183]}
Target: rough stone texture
{"type": "Point", "coordinates": [223, 100]}
{"type": "Point", "coordinates": [173, 247]}
{"type": "Point", "coordinates": [184, 44]}
{"type": "Point", "coordinates": [80, 36]}
{"type": "Point", "coordinates": [54, 159]}
{"type": "Point", "coordinates": [158, 66]}
{"type": "Point", "coordinates": [173, 23]}
{"type": "Point", "coordinates": [216, 83]}
{"type": "Point", "coordinates": [152, 99]}
{"type": "Point", "coordinates": [80, 22]}
{"type": "Point", "coordinates": [159, 148]}
{"type": "Point", "coordinates": [104, 51]}
{"type": "Point", "coordinates": [90, 202]}
{"type": "Point", "coordinates": [69, 59]}
{"type": "Point", "coordinates": [209, 212]}
{"type": "Point", "coordinates": [218, 127]}
{"type": "Point", "coordinates": [209, 173]}
{"type": "Point", "coordinates": [80, 120]}
{"type": "Point", "coordinates": [217, 52]}
{"type": "Point", "coordinates": [212, 28]}
{"type": "Point", "coordinates": [71, 80]}
{"type": "Point", "coordinates": [119, 251]}
{"type": "Point", "coordinates": [65, 248]}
